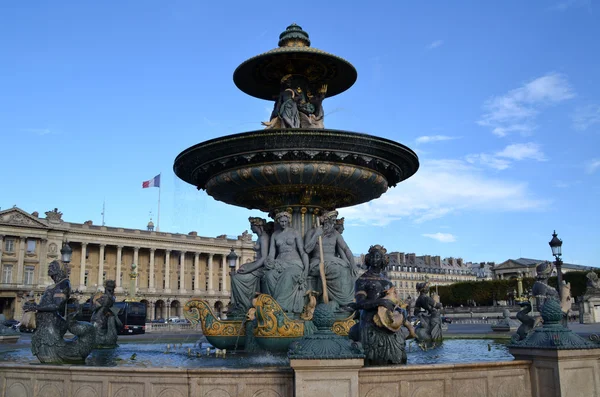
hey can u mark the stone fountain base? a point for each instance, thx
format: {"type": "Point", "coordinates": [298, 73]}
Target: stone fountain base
{"type": "Point", "coordinates": [510, 378]}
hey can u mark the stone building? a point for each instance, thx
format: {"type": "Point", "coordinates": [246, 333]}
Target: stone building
{"type": "Point", "coordinates": [526, 267]}
{"type": "Point", "coordinates": [172, 268]}
{"type": "Point", "coordinates": [406, 270]}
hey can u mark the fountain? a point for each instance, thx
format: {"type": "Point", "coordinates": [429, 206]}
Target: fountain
{"type": "Point", "coordinates": [300, 173]}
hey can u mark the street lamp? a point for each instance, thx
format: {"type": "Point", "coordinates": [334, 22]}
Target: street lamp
{"type": "Point", "coordinates": [66, 253]}
{"type": "Point", "coordinates": [556, 245]}
{"type": "Point", "coordinates": [232, 259]}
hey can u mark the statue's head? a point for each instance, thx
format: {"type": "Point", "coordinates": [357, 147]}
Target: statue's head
{"type": "Point", "coordinates": [423, 288]}
{"type": "Point", "coordinates": [544, 270]}
{"type": "Point", "coordinates": [110, 285]}
{"type": "Point", "coordinates": [256, 223]}
{"type": "Point", "coordinates": [376, 257]}
{"type": "Point", "coordinates": [283, 218]}
{"type": "Point", "coordinates": [339, 225]}
{"type": "Point", "coordinates": [56, 271]}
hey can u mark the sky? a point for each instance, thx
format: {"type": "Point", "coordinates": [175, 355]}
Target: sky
{"type": "Point", "coordinates": [499, 99]}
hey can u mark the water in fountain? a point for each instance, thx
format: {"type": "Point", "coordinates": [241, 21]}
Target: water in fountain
{"type": "Point", "coordinates": [153, 355]}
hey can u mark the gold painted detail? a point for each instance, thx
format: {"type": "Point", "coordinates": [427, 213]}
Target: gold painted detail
{"type": "Point", "coordinates": [199, 311]}
{"type": "Point", "coordinates": [272, 322]}
{"type": "Point", "coordinates": [342, 327]}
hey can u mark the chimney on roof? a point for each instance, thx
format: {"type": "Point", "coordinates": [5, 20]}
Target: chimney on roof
{"type": "Point", "coordinates": [400, 257]}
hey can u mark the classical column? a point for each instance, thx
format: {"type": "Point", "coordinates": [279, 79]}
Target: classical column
{"type": "Point", "coordinates": [196, 273]}
{"type": "Point", "coordinates": [136, 257]}
{"type": "Point", "coordinates": [210, 274]}
{"type": "Point", "coordinates": [21, 260]}
{"type": "Point", "coordinates": [224, 274]}
{"type": "Point", "coordinates": [82, 267]}
{"type": "Point", "coordinates": [43, 263]}
{"type": "Point", "coordinates": [1, 248]}
{"type": "Point", "coordinates": [150, 311]}
{"type": "Point", "coordinates": [182, 272]}
{"type": "Point", "coordinates": [101, 265]}
{"type": "Point", "coordinates": [119, 287]}
{"type": "Point", "coordinates": [151, 271]}
{"type": "Point", "coordinates": [167, 271]}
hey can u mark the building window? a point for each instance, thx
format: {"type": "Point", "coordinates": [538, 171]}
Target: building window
{"type": "Point", "coordinates": [87, 251]}
{"type": "Point", "coordinates": [193, 282]}
{"type": "Point", "coordinates": [85, 280]}
{"type": "Point", "coordinates": [31, 246]}
{"type": "Point", "coordinates": [121, 278]}
{"type": "Point", "coordinates": [7, 274]}
{"type": "Point", "coordinates": [29, 270]}
{"type": "Point", "coordinates": [9, 245]}
{"type": "Point", "coordinates": [103, 277]}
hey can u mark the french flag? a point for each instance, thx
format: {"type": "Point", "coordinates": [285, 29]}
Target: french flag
{"type": "Point", "coordinates": [154, 182]}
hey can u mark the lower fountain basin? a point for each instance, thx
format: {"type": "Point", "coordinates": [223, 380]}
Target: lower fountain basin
{"type": "Point", "coordinates": [154, 355]}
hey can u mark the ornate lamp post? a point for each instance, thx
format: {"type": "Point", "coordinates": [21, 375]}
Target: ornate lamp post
{"type": "Point", "coordinates": [232, 259]}
{"type": "Point", "coordinates": [231, 262]}
{"type": "Point", "coordinates": [556, 245]}
{"type": "Point", "coordinates": [66, 252]}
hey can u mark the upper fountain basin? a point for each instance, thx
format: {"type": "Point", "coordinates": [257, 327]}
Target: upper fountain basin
{"type": "Point", "coordinates": [267, 169]}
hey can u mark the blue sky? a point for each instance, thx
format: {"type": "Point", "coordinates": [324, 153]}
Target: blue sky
{"type": "Point", "coordinates": [501, 101]}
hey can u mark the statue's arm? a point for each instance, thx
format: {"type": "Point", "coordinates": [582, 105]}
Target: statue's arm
{"type": "Point", "coordinates": [368, 299]}
{"type": "Point", "coordinates": [311, 240]}
{"type": "Point", "coordinates": [343, 248]}
{"type": "Point", "coordinates": [260, 261]}
{"type": "Point", "coordinates": [303, 254]}
{"type": "Point", "coordinates": [271, 255]}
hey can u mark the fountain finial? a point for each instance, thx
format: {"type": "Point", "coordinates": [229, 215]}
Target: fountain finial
{"type": "Point", "coordinates": [294, 36]}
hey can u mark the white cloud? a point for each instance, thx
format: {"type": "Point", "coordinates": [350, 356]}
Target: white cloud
{"type": "Point", "coordinates": [522, 151]}
{"type": "Point", "coordinates": [434, 138]}
{"type": "Point", "coordinates": [517, 110]}
{"type": "Point", "coordinates": [592, 166]}
{"type": "Point", "coordinates": [488, 160]}
{"type": "Point", "coordinates": [586, 116]}
{"type": "Point", "coordinates": [441, 188]}
{"type": "Point", "coordinates": [503, 159]}
{"type": "Point", "coordinates": [435, 44]}
{"type": "Point", "coordinates": [441, 237]}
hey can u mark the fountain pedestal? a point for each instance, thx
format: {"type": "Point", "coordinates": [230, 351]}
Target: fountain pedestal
{"type": "Point", "coordinates": [326, 377]}
{"type": "Point", "coordinates": [326, 364]}
{"type": "Point", "coordinates": [562, 362]}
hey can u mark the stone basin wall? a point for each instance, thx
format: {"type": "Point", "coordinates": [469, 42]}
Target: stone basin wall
{"type": "Point", "coordinates": [501, 379]}
{"type": "Point", "coordinates": [493, 379]}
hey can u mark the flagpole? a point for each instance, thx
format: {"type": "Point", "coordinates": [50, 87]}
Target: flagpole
{"type": "Point", "coordinates": [158, 217]}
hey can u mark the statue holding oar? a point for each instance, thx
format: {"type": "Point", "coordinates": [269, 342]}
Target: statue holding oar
{"type": "Point", "coordinates": [331, 260]}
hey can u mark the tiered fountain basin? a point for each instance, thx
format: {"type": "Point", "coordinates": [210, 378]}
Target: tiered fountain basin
{"type": "Point", "coordinates": [268, 169]}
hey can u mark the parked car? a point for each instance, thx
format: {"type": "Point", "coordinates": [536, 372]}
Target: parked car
{"type": "Point", "coordinates": [158, 321]}
{"type": "Point", "coordinates": [446, 320]}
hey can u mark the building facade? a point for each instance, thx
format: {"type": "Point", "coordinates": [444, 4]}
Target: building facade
{"type": "Point", "coordinates": [171, 268]}
{"type": "Point", "coordinates": [511, 268]}
{"type": "Point", "coordinates": [406, 270]}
